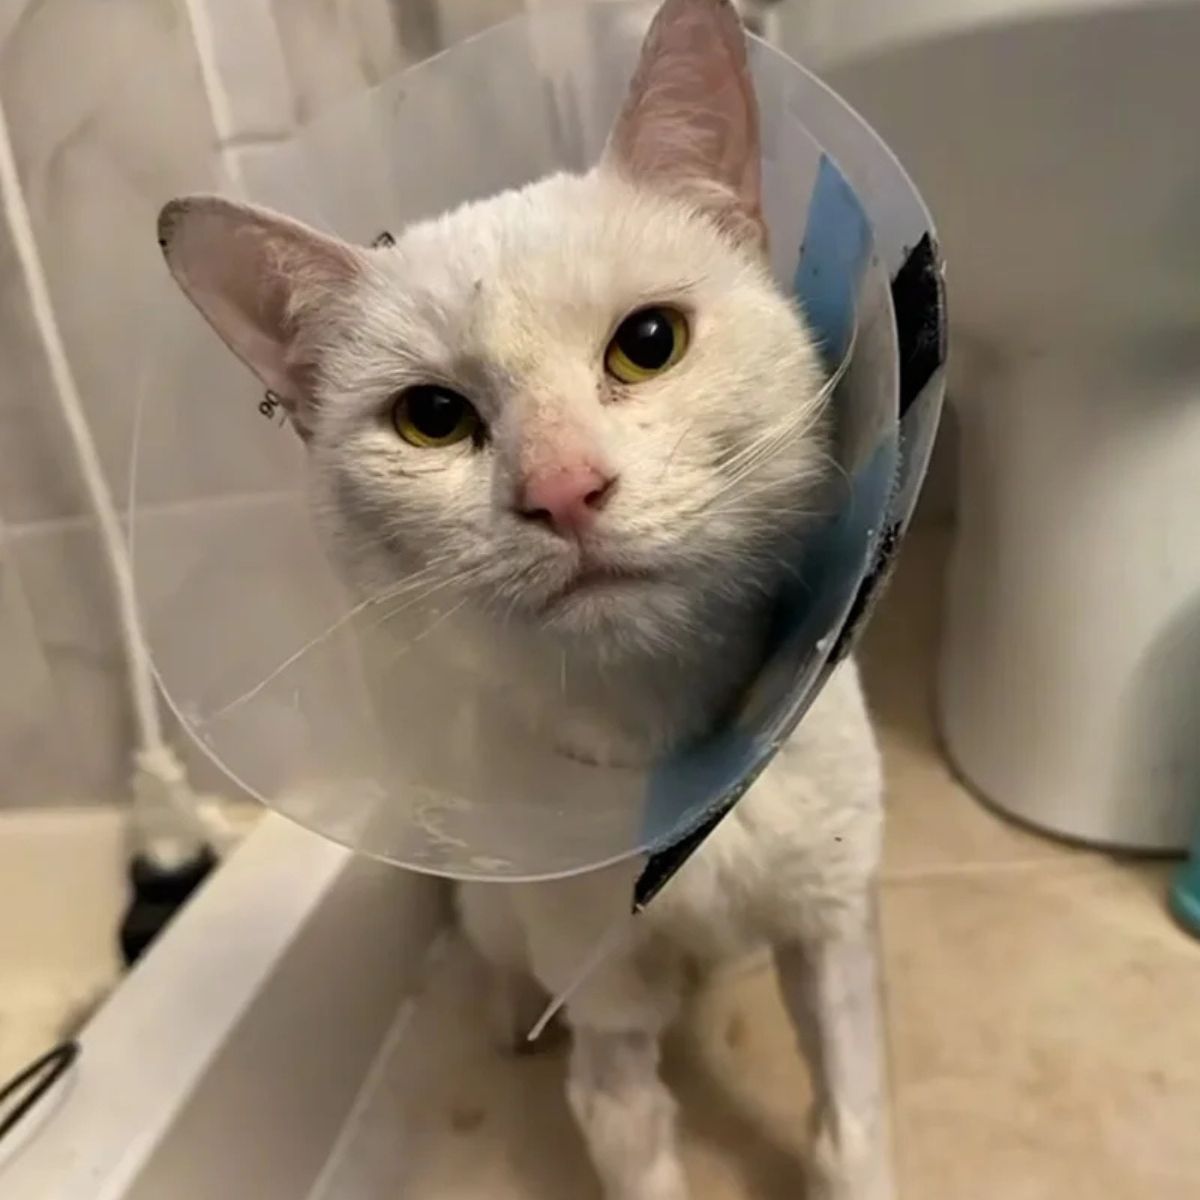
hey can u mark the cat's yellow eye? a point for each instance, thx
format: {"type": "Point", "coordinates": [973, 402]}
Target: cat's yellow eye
{"type": "Point", "coordinates": [431, 417]}
{"type": "Point", "coordinates": [647, 343]}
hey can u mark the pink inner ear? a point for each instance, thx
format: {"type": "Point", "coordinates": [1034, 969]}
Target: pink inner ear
{"type": "Point", "coordinates": [247, 312]}
{"type": "Point", "coordinates": [250, 272]}
{"type": "Point", "coordinates": [691, 117]}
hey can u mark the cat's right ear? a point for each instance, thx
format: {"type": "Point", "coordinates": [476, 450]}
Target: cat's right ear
{"type": "Point", "coordinates": [261, 280]}
{"type": "Point", "coordinates": [689, 124]}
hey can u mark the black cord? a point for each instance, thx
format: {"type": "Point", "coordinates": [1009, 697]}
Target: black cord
{"type": "Point", "coordinates": [39, 1077]}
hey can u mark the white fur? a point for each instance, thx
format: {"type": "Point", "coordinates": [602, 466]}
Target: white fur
{"type": "Point", "coordinates": [718, 463]}
{"type": "Point", "coordinates": [512, 301]}
{"type": "Point", "coordinates": [792, 865]}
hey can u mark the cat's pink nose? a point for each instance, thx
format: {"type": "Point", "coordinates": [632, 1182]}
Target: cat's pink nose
{"type": "Point", "coordinates": [566, 498]}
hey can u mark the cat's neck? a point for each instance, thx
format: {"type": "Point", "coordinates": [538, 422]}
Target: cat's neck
{"type": "Point", "coordinates": [629, 706]}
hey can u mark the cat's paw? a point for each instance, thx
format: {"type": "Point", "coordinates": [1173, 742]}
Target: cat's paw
{"type": "Point", "coordinates": [857, 1168]}
{"type": "Point", "coordinates": [850, 1181]}
{"type": "Point", "coordinates": [664, 1181]}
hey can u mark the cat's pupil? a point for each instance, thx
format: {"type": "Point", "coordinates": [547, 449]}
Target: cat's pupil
{"type": "Point", "coordinates": [434, 412]}
{"type": "Point", "coordinates": [647, 339]}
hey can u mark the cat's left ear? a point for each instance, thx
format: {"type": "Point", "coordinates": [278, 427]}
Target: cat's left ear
{"type": "Point", "coordinates": [264, 282]}
{"type": "Point", "coordinates": [690, 122]}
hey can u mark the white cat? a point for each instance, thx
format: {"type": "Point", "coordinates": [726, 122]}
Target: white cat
{"type": "Point", "coordinates": [588, 407]}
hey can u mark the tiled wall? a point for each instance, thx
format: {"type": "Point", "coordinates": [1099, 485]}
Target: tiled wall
{"type": "Point", "coordinates": [109, 113]}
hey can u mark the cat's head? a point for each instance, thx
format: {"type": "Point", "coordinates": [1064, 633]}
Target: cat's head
{"type": "Point", "coordinates": [583, 404]}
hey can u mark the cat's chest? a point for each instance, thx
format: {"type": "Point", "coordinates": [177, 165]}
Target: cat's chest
{"type": "Point", "coordinates": [798, 847]}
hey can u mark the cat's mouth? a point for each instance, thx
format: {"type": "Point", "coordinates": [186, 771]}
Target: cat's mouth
{"type": "Point", "coordinates": [593, 578]}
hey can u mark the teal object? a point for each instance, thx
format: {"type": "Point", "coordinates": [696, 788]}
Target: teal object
{"type": "Point", "coordinates": [1185, 891]}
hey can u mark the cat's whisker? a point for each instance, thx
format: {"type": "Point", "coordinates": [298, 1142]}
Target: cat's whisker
{"type": "Point", "coordinates": [440, 620]}
{"type": "Point", "coordinates": [380, 597]}
{"type": "Point", "coordinates": [782, 426]}
{"type": "Point", "coordinates": [784, 490]}
{"type": "Point", "coordinates": [408, 644]}
{"type": "Point", "coordinates": [687, 428]}
{"type": "Point", "coordinates": [765, 451]}
{"type": "Point", "coordinates": [419, 579]}
{"type": "Point", "coordinates": [426, 590]}
{"type": "Point", "coordinates": [734, 461]}
{"type": "Point", "coordinates": [828, 458]}
{"type": "Point", "coordinates": [766, 446]}
{"type": "Point", "coordinates": [515, 582]}
{"type": "Point", "coordinates": [470, 575]}
{"type": "Point", "coordinates": [769, 522]}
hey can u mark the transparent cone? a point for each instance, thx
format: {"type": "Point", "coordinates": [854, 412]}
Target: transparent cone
{"type": "Point", "coordinates": [366, 717]}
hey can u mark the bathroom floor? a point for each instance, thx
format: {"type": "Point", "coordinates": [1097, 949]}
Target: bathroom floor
{"type": "Point", "coordinates": [1042, 1014]}
{"type": "Point", "coordinates": [62, 890]}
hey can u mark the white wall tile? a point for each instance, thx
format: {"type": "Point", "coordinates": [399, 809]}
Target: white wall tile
{"type": "Point", "coordinates": [245, 75]}
{"type": "Point", "coordinates": [463, 18]}
{"type": "Point", "coordinates": [108, 120]}
{"type": "Point", "coordinates": [30, 767]}
{"type": "Point", "coordinates": [38, 475]}
{"type": "Point", "coordinates": [229, 593]}
{"type": "Point", "coordinates": [65, 726]}
{"type": "Point", "coordinates": [110, 117]}
{"type": "Point", "coordinates": [334, 48]}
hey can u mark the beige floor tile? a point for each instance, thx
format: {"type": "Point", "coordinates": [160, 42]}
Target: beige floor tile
{"type": "Point", "coordinates": [451, 1116]}
{"type": "Point", "coordinates": [1044, 1035]}
{"type": "Point", "coordinates": [1042, 1040]}
{"type": "Point", "coordinates": [934, 823]}
{"type": "Point", "coordinates": [743, 1090]}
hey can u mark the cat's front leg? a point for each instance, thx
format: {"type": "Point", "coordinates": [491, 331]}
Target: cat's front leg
{"type": "Point", "coordinates": [626, 1114]}
{"type": "Point", "coordinates": [830, 984]}
{"type": "Point", "coordinates": [616, 1015]}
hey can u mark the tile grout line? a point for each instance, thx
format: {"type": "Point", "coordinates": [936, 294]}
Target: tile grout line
{"type": "Point", "coordinates": [1078, 862]}
{"type": "Point", "coordinates": [81, 522]}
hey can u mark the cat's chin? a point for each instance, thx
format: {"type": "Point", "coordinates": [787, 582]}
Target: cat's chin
{"type": "Point", "coordinates": [619, 604]}
{"type": "Point", "coordinates": [597, 585]}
